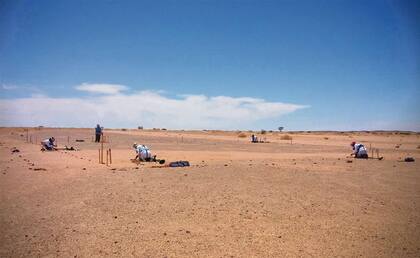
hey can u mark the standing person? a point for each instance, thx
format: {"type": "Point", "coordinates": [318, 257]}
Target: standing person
{"type": "Point", "coordinates": [359, 151]}
{"type": "Point", "coordinates": [98, 133]}
{"type": "Point", "coordinates": [49, 144]}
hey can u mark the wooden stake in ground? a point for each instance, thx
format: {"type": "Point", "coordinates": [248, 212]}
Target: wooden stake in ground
{"type": "Point", "coordinates": [99, 156]}
{"type": "Point", "coordinates": [110, 157]}
{"type": "Point", "coordinates": [102, 150]}
{"type": "Point", "coordinates": [107, 153]}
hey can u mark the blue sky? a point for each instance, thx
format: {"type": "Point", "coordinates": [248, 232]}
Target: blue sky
{"type": "Point", "coordinates": [305, 65]}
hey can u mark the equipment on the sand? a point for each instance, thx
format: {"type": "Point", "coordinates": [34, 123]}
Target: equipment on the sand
{"type": "Point", "coordinates": [160, 161]}
{"type": "Point", "coordinates": [179, 164]}
{"type": "Point", "coordinates": [45, 149]}
{"type": "Point", "coordinates": [152, 159]}
{"type": "Point", "coordinates": [69, 148]}
{"type": "Point", "coordinates": [66, 148]}
{"type": "Point", "coordinates": [378, 158]}
{"type": "Point", "coordinates": [409, 159]}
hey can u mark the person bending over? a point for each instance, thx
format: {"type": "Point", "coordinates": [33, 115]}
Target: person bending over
{"type": "Point", "coordinates": [142, 152]}
{"type": "Point", "coordinates": [359, 150]}
{"type": "Point", "coordinates": [49, 144]}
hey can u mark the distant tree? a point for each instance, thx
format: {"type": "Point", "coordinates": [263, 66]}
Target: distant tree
{"type": "Point", "coordinates": [281, 128]}
{"type": "Point", "coordinates": [263, 131]}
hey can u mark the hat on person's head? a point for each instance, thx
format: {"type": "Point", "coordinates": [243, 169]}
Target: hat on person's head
{"type": "Point", "coordinates": [134, 145]}
{"type": "Point", "coordinates": [52, 139]}
{"type": "Point", "coordinates": [352, 143]}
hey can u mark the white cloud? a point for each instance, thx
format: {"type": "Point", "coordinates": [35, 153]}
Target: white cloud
{"type": "Point", "coordinates": [20, 88]}
{"type": "Point", "coordinates": [101, 88]}
{"type": "Point", "coordinates": [9, 87]}
{"type": "Point", "coordinates": [146, 108]}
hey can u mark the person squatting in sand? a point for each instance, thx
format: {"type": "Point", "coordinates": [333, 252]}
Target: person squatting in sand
{"type": "Point", "coordinates": [254, 139]}
{"type": "Point", "coordinates": [359, 151]}
{"type": "Point", "coordinates": [49, 144]}
{"type": "Point", "coordinates": [142, 152]}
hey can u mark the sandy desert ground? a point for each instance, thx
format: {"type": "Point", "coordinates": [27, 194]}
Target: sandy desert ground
{"type": "Point", "coordinates": [237, 199]}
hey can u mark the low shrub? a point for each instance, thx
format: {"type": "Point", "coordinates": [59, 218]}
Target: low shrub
{"type": "Point", "coordinates": [286, 137]}
{"type": "Point", "coordinates": [242, 135]}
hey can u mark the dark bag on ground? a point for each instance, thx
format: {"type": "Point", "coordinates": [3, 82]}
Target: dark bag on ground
{"type": "Point", "coordinates": [179, 164]}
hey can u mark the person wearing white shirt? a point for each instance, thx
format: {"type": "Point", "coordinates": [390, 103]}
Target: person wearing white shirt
{"type": "Point", "coordinates": [143, 152]}
{"type": "Point", "coordinates": [49, 144]}
{"type": "Point", "coordinates": [359, 150]}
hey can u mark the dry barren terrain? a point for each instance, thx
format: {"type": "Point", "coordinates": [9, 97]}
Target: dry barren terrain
{"type": "Point", "coordinates": [297, 198]}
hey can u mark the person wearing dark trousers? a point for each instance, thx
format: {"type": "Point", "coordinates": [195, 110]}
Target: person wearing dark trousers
{"type": "Point", "coordinates": [359, 151]}
{"type": "Point", "coordinates": [98, 133]}
{"type": "Point", "coordinates": [49, 144]}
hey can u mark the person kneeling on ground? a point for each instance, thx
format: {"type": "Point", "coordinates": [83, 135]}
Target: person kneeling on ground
{"type": "Point", "coordinates": [142, 152]}
{"type": "Point", "coordinates": [254, 138]}
{"type": "Point", "coordinates": [49, 144]}
{"type": "Point", "coordinates": [359, 151]}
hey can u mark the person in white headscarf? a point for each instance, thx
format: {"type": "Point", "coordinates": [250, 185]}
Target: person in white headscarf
{"type": "Point", "coordinates": [49, 144]}
{"type": "Point", "coordinates": [359, 151]}
{"type": "Point", "coordinates": [143, 152]}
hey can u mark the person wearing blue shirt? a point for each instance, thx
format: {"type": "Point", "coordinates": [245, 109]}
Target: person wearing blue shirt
{"type": "Point", "coordinates": [98, 133]}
